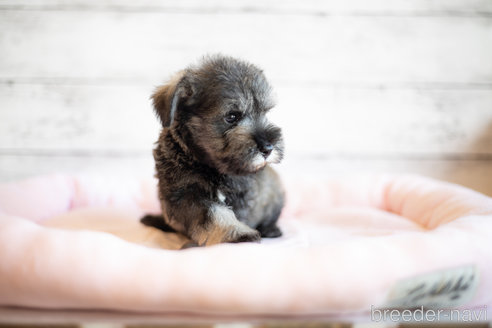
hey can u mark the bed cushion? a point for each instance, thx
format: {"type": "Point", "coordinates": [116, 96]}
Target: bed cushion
{"type": "Point", "coordinates": [74, 242]}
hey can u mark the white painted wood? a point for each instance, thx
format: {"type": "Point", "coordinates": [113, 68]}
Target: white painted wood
{"type": "Point", "coordinates": [355, 7]}
{"type": "Point", "coordinates": [71, 118]}
{"type": "Point", "coordinates": [25, 166]}
{"type": "Point", "coordinates": [363, 85]}
{"type": "Point", "coordinates": [299, 49]}
{"type": "Point", "coordinates": [316, 120]}
{"type": "Point", "coordinates": [382, 122]}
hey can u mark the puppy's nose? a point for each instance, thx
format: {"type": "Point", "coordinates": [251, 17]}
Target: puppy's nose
{"type": "Point", "coordinates": [265, 149]}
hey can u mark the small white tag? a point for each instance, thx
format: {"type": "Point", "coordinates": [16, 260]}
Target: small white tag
{"type": "Point", "coordinates": [439, 289]}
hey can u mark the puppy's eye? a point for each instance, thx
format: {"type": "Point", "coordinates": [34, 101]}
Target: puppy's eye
{"type": "Point", "coordinates": [232, 117]}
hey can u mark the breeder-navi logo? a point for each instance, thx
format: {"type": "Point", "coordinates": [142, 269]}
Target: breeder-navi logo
{"type": "Point", "coordinates": [429, 315]}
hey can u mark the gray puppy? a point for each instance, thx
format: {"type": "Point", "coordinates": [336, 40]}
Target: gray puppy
{"type": "Point", "coordinates": [213, 154]}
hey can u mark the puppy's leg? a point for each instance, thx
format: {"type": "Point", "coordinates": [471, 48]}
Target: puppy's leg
{"type": "Point", "coordinates": [268, 227]}
{"type": "Point", "coordinates": [222, 226]}
{"type": "Point", "coordinates": [206, 222]}
{"type": "Point", "coordinates": [269, 231]}
{"type": "Point", "coordinates": [156, 221]}
{"type": "Point", "coordinates": [270, 203]}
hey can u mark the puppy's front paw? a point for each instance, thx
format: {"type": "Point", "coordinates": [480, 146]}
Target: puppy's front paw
{"type": "Point", "coordinates": [189, 244]}
{"type": "Point", "coordinates": [245, 236]}
{"type": "Point", "coordinates": [269, 231]}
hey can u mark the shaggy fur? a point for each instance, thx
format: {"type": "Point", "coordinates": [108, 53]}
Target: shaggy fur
{"type": "Point", "coordinates": [213, 154]}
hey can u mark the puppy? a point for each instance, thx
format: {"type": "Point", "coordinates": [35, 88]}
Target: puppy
{"type": "Point", "coordinates": [213, 154]}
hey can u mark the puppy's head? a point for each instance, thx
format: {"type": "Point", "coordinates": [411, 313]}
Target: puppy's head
{"type": "Point", "coordinates": [219, 109]}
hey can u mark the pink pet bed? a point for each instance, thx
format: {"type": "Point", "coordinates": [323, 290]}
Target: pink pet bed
{"type": "Point", "coordinates": [74, 242]}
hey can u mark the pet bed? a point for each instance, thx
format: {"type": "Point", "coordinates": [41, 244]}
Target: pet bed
{"type": "Point", "coordinates": [74, 242]}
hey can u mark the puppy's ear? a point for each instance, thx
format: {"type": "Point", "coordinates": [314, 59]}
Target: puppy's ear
{"type": "Point", "coordinates": [167, 98]}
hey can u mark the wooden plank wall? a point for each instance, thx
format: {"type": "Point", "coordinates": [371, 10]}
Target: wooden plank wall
{"type": "Point", "coordinates": [362, 85]}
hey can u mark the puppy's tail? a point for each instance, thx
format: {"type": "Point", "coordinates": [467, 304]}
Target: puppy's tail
{"type": "Point", "coordinates": [156, 221]}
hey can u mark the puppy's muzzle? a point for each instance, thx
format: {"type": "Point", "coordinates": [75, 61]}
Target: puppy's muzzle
{"type": "Point", "coordinates": [266, 149]}
{"type": "Point", "coordinates": [264, 146]}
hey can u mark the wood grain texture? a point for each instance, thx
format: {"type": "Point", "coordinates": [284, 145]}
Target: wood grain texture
{"type": "Point", "coordinates": [299, 49]}
{"type": "Point", "coordinates": [316, 120]}
{"type": "Point", "coordinates": [362, 85]}
{"type": "Point", "coordinates": [77, 118]}
{"type": "Point", "coordinates": [313, 7]}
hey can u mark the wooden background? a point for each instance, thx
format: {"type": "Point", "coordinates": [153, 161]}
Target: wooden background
{"type": "Point", "coordinates": [362, 85]}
